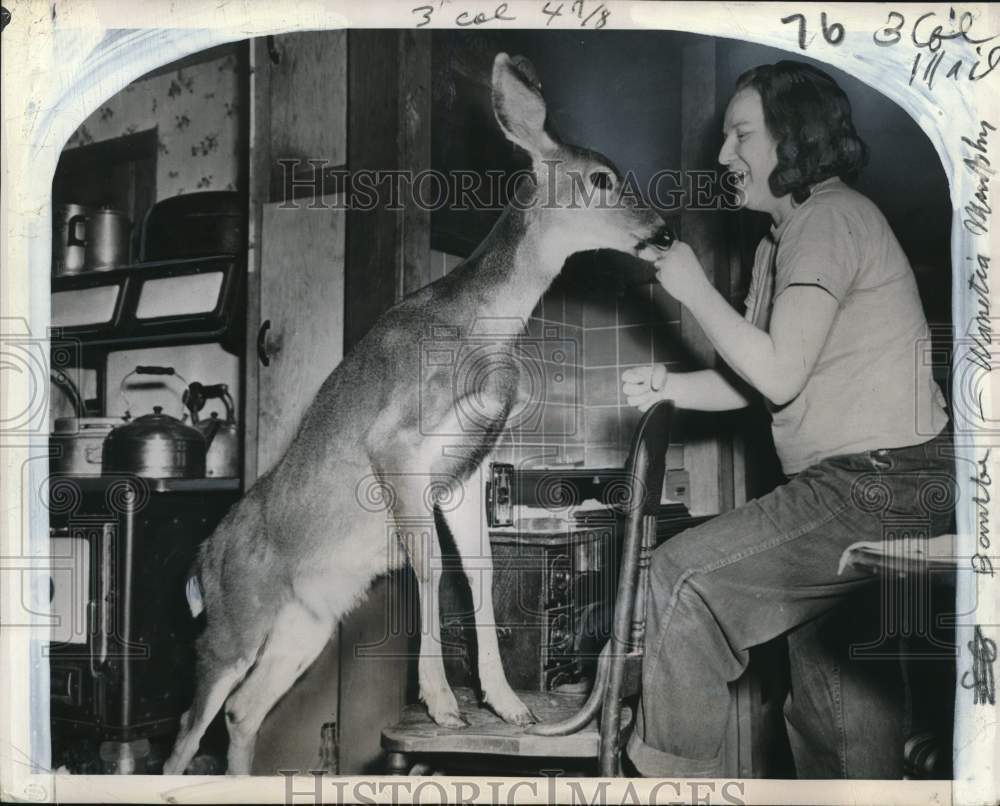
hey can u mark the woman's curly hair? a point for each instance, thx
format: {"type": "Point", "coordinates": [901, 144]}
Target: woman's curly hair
{"type": "Point", "coordinates": [809, 117]}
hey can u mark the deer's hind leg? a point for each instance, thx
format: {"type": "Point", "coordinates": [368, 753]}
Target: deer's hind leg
{"type": "Point", "coordinates": [216, 678]}
{"type": "Point", "coordinates": [292, 645]}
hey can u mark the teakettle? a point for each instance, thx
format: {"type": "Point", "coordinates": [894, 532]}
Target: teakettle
{"type": "Point", "coordinates": [222, 436]}
{"type": "Point", "coordinates": [155, 445]}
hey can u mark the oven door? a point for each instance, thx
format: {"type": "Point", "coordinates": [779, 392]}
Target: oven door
{"type": "Point", "coordinates": [81, 563]}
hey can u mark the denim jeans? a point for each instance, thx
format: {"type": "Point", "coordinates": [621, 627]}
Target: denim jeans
{"type": "Point", "coordinates": [769, 568]}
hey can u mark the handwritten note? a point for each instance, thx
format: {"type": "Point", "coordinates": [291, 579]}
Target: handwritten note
{"type": "Point", "coordinates": [579, 14]}
{"type": "Point", "coordinates": [976, 215]}
{"type": "Point", "coordinates": [979, 679]}
{"type": "Point", "coordinates": [977, 162]}
{"type": "Point", "coordinates": [982, 481]}
{"type": "Point", "coordinates": [929, 33]}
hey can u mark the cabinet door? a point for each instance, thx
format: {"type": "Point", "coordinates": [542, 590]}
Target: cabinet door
{"type": "Point", "coordinates": [299, 101]}
{"type": "Point", "coordinates": [308, 100]}
{"type": "Point", "coordinates": [302, 296]}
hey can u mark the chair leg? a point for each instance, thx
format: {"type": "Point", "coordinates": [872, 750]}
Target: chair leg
{"type": "Point", "coordinates": [397, 764]}
{"type": "Point", "coordinates": [402, 764]}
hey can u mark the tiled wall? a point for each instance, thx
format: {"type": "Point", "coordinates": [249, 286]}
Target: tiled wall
{"type": "Point", "coordinates": [623, 327]}
{"type": "Point", "coordinates": [586, 330]}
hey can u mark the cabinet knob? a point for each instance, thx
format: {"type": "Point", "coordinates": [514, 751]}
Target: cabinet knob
{"type": "Point", "coordinates": [262, 354]}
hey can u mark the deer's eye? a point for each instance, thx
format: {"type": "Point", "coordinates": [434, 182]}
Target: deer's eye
{"type": "Point", "coordinates": [602, 180]}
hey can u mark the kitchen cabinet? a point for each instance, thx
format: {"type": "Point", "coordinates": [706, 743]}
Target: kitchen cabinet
{"type": "Point", "coordinates": [318, 279]}
{"type": "Point", "coordinates": [289, 73]}
{"type": "Point", "coordinates": [302, 297]}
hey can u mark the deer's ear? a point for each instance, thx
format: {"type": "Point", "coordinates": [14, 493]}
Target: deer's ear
{"type": "Point", "coordinates": [519, 106]}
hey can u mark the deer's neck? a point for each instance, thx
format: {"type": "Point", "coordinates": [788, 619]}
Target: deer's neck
{"type": "Point", "coordinates": [513, 267]}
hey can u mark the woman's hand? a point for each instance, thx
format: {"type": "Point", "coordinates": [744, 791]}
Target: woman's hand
{"type": "Point", "coordinates": [644, 386]}
{"type": "Point", "coordinates": [680, 273]}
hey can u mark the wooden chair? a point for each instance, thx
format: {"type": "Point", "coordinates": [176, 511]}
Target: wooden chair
{"type": "Point", "coordinates": [568, 728]}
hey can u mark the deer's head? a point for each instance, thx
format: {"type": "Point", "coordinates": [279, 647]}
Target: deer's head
{"type": "Point", "coordinates": [579, 200]}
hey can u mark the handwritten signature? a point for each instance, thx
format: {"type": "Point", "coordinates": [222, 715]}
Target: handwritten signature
{"type": "Point", "coordinates": [981, 562]}
{"type": "Point", "coordinates": [980, 677]}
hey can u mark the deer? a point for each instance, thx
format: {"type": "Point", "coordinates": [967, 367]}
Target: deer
{"type": "Point", "coordinates": [376, 450]}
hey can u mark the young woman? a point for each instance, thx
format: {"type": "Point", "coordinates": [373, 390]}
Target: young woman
{"type": "Point", "coordinates": [830, 336]}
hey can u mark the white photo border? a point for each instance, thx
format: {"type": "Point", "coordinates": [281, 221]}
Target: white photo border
{"type": "Point", "coordinates": [61, 59]}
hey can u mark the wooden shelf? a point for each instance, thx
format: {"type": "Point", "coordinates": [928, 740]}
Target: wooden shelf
{"type": "Point", "coordinates": [125, 328]}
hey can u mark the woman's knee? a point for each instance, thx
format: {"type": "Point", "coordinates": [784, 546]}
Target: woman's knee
{"type": "Point", "coordinates": [679, 595]}
{"type": "Point", "coordinates": [666, 568]}
{"type": "Point", "coordinates": [669, 571]}
{"type": "Point", "coordinates": [677, 558]}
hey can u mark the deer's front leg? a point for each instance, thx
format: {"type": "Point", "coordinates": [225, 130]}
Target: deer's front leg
{"type": "Point", "coordinates": [415, 527]}
{"type": "Point", "coordinates": [470, 531]}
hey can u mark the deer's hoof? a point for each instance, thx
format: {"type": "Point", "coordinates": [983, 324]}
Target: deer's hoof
{"type": "Point", "coordinates": [520, 716]}
{"type": "Point", "coordinates": [450, 720]}
{"type": "Point", "coordinates": [442, 707]}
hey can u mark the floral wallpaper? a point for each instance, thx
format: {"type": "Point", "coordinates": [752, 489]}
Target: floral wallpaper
{"type": "Point", "coordinates": [195, 113]}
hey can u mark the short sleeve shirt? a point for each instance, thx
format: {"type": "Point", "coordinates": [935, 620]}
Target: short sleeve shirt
{"type": "Point", "coordinates": [870, 387]}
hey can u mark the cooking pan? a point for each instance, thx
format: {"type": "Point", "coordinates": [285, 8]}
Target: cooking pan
{"type": "Point", "coordinates": [77, 442]}
{"type": "Point", "coordinates": [195, 225]}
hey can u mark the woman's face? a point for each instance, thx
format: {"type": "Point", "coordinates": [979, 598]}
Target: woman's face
{"type": "Point", "coordinates": [750, 152]}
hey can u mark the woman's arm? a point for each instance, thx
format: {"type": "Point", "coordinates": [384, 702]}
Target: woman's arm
{"type": "Point", "coordinates": [704, 390]}
{"type": "Point", "coordinates": [776, 363]}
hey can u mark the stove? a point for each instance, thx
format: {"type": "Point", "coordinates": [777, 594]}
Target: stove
{"type": "Point", "coordinates": [555, 537]}
{"type": "Point", "coordinates": [121, 656]}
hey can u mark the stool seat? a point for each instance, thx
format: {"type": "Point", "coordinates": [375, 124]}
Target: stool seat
{"type": "Point", "coordinates": [488, 734]}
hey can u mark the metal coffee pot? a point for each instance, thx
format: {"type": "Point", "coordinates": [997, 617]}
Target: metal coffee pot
{"type": "Point", "coordinates": [107, 239]}
{"type": "Point", "coordinates": [69, 238]}
{"type": "Point", "coordinates": [88, 239]}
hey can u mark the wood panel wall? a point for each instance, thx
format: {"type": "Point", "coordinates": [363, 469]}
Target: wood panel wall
{"type": "Point", "coordinates": [387, 251]}
{"type": "Point", "coordinates": [356, 99]}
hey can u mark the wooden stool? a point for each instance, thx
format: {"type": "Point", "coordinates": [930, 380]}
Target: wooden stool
{"type": "Point", "coordinates": [568, 726]}
{"type": "Point", "coordinates": [415, 742]}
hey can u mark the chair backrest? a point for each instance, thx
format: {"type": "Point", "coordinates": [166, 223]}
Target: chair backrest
{"type": "Point", "coordinates": [645, 469]}
{"type": "Point", "coordinates": [620, 666]}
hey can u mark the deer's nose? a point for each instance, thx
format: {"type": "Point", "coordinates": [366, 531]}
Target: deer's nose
{"type": "Point", "coordinates": [663, 238]}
